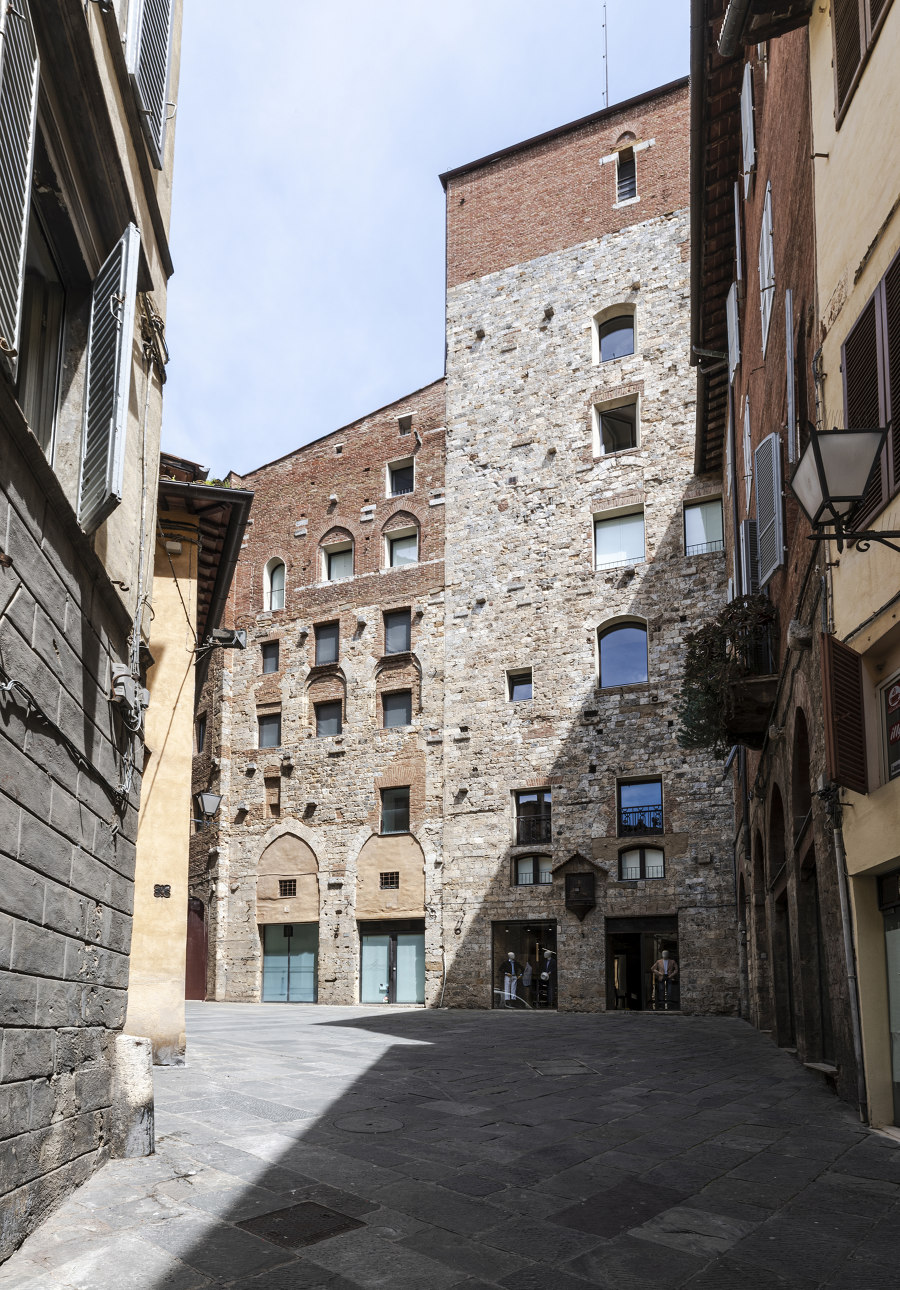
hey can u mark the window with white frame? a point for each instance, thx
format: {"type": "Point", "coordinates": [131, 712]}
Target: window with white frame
{"type": "Point", "coordinates": [273, 584]}
{"type": "Point", "coordinates": [641, 862]}
{"type": "Point", "coordinates": [766, 267]}
{"type": "Point", "coordinates": [402, 547]}
{"type": "Point", "coordinates": [703, 529]}
{"type": "Point", "coordinates": [619, 539]}
{"type": "Point", "coordinates": [401, 477]}
{"type": "Point", "coordinates": [534, 871]}
{"type": "Point", "coordinates": [338, 558]}
{"type": "Point", "coordinates": [616, 426]}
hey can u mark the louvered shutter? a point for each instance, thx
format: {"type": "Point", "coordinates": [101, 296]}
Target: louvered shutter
{"type": "Point", "coordinates": [769, 528]}
{"type": "Point", "coordinates": [845, 726]}
{"type": "Point", "coordinates": [848, 45]}
{"type": "Point", "coordinates": [892, 365]}
{"type": "Point", "coordinates": [861, 402]}
{"type": "Point", "coordinates": [749, 558]}
{"type": "Point", "coordinates": [107, 382]}
{"type": "Point", "coordinates": [732, 319]}
{"type": "Point", "coordinates": [748, 133]}
{"type": "Point", "coordinates": [738, 249]}
{"type": "Point", "coordinates": [791, 396]}
{"type": "Point", "coordinates": [748, 456]}
{"type": "Point", "coordinates": [766, 267]}
{"type": "Point", "coordinates": [149, 44]}
{"type": "Point", "coordinates": [876, 9]}
{"type": "Point", "coordinates": [18, 108]}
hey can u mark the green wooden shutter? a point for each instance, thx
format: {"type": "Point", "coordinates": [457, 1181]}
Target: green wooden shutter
{"type": "Point", "coordinates": [845, 727]}
{"type": "Point", "coordinates": [107, 382]}
{"type": "Point", "coordinates": [19, 75]}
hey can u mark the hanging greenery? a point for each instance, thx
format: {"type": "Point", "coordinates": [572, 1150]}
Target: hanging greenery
{"type": "Point", "coordinates": [737, 644]}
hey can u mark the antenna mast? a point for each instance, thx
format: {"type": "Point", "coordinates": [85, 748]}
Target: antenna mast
{"type": "Point", "coordinates": [605, 62]}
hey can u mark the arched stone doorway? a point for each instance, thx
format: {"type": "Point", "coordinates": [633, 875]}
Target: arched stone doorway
{"type": "Point", "coordinates": [287, 911]}
{"type": "Point", "coordinates": [782, 963]}
{"type": "Point", "coordinates": [390, 912]}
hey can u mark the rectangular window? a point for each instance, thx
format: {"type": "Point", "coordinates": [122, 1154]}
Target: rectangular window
{"type": "Point", "coordinates": [287, 887]}
{"type": "Point", "coordinates": [619, 540]}
{"type": "Point", "coordinates": [395, 810]}
{"type": "Point", "coordinates": [397, 631]}
{"type": "Point", "coordinates": [626, 175]}
{"type": "Point", "coordinates": [766, 267]}
{"type": "Point", "coordinates": [641, 862]}
{"type": "Point", "coordinates": [269, 729]}
{"type": "Point", "coordinates": [856, 27]}
{"type": "Point", "coordinates": [405, 423]}
{"type": "Point", "coordinates": [329, 718]}
{"type": "Point", "coordinates": [520, 686]}
{"type": "Point", "coordinates": [340, 563]}
{"type": "Point", "coordinates": [401, 478]}
{"type": "Point", "coordinates": [533, 817]}
{"type": "Point", "coordinates": [397, 708]}
{"type": "Point", "coordinates": [328, 637]}
{"type": "Point", "coordinates": [534, 871]}
{"type": "Point", "coordinates": [40, 343]}
{"type": "Point", "coordinates": [270, 656]}
{"type": "Point", "coordinates": [616, 429]}
{"type": "Point", "coordinates": [640, 807]}
{"type": "Point", "coordinates": [891, 716]}
{"type": "Point", "coordinates": [389, 881]}
{"type": "Point", "coordinates": [201, 733]}
{"type": "Point", "coordinates": [403, 550]}
{"type": "Point", "coordinates": [703, 527]}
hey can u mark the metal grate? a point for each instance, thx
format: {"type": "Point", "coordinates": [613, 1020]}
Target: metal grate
{"type": "Point", "coordinates": [389, 881]}
{"type": "Point", "coordinates": [287, 886]}
{"type": "Point", "coordinates": [300, 1225]}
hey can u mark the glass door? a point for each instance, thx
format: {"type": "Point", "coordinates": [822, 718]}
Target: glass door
{"type": "Point", "coordinates": [409, 980]}
{"type": "Point", "coordinates": [392, 959]}
{"type": "Point", "coordinates": [376, 969]}
{"type": "Point", "coordinates": [290, 954]}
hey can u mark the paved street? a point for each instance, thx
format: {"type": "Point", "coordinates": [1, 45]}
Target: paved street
{"type": "Point", "coordinates": [347, 1147]}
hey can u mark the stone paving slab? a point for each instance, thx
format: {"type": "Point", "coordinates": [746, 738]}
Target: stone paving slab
{"type": "Point", "coordinates": [483, 1150]}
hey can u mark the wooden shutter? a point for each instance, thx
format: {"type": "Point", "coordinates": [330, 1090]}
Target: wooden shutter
{"type": "Point", "coordinates": [791, 396]}
{"type": "Point", "coordinates": [738, 249]}
{"type": "Point", "coordinates": [876, 9]}
{"type": "Point", "coordinates": [748, 456]}
{"type": "Point", "coordinates": [749, 558]}
{"type": "Point", "coordinates": [848, 45]}
{"type": "Point", "coordinates": [845, 726]}
{"type": "Point", "coordinates": [766, 267]}
{"type": "Point", "coordinates": [769, 527]}
{"type": "Point", "coordinates": [732, 317]}
{"type": "Point", "coordinates": [891, 333]}
{"type": "Point", "coordinates": [149, 44]}
{"type": "Point", "coordinates": [862, 407]}
{"type": "Point", "coordinates": [19, 68]}
{"type": "Point", "coordinates": [107, 382]}
{"type": "Point", "coordinates": [748, 133]}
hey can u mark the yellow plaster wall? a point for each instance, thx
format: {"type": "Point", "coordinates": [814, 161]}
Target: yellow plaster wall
{"type": "Point", "coordinates": [868, 930]}
{"type": "Point", "coordinates": [401, 854]}
{"type": "Point", "coordinates": [158, 943]}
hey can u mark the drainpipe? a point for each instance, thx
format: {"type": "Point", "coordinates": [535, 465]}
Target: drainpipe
{"type": "Point", "coordinates": [732, 27]}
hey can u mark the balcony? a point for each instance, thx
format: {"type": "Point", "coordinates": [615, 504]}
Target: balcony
{"type": "Point", "coordinates": [751, 693]}
{"type": "Point", "coordinates": [531, 829]}
{"type": "Point", "coordinates": [640, 819]}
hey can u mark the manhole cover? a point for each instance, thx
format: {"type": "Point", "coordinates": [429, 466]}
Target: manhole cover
{"type": "Point", "coordinates": [302, 1224]}
{"type": "Point", "coordinates": [367, 1122]}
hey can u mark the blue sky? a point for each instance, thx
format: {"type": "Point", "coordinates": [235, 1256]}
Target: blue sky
{"type": "Point", "coordinates": [308, 220]}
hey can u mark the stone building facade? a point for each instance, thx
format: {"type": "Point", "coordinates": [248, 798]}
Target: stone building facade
{"type": "Point", "coordinates": [552, 812]}
{"type": "Point", "coordinates": [85, 192]}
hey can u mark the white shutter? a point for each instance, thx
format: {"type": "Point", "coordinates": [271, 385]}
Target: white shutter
{"type": "Point", "coordinates": [732, 318]}
{"type": "Point", "coordinates": [107, 382]}
{"type": "Point", "coordinates": [748, 457]}
{"type": "Point", "coordinates": [738, 249]}
{"type": "Point", "coordinates": [749, 558]}
{"type": "Point", "coordinates": [748, 134]}
{"type": "Point", "coordinates": [766, 267]}
{"type": "Point", "coordinates": [18, 109]}
{"type": "Point", "coordinates": [769, 530]}
{"type": "Point", "coordinates": [149, 42]}
{"type": "Point", "coordinates": [792, 444]}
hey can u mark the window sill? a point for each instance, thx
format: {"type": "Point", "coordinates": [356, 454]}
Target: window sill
{"type": "Point", "coordinates": [629, 201]}
{"type": "Point", "coordinates": [626, 564]}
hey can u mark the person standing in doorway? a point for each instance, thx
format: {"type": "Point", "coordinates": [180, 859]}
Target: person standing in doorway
{"type": "Point", "coordinates": [664, 972]}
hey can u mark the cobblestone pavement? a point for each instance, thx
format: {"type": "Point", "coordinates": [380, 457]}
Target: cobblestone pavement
{"type": "Point", "coordinates": [439, 1149]}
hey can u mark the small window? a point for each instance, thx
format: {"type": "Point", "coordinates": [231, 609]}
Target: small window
{"type": "Point", "coordinates": [703, 527]}
{"type": "Point", "coordinates": [619, 540]}
{"type": "Point", "coordinates": [520, 686]}
{"type": "Point", "coordinates": [405, 423]}
{"type": "Point", "coordinates": [641, 862]}
{"type": "Point", "coordinates": [200, 733]}
{"type": "Point", "coordinates": [397, 708]}
{"type": "Point", "coordinates": [640, 807]}
{"type": "Point", "coordinates": [533, 817]}
{"type": "Point", "coordinates": [617, 337]}
{"type": "Point", "coordinates": [623, 655]}
{"type": "Point", "coordinates": [397, 631]}
{"type": "Point", "coordinates": [328, 637]}
{"type": "Point", "coordinates": [534, 871]}
{"type": "Point", "coordinates": [401, 478]}
{"type": "Point", "coordinates": [270, 656]}
{"type": "Point", "coordinates": [287, 886]}
{"type": "Point", "coordinates": [339, 562]}
{"type": "Point", "coordinates": [395, 810]}
{"type": "Point", "coordinates": [273, 588]}
{"type": "Point", "coordinates": [389, 881]}
{"type": "Point", "coordinates": [626, 176]}
{"type": "Point", "coordinates": [269, 729]}
{"type": "Point", "coordinates": [616, 428]}
{"type": "Point", "coordinates": [329, 718]}
{"type": "Point", "coordinates": [403, 550]}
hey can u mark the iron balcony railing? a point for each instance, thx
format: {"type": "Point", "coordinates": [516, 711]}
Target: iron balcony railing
{"type": "Point", "coordinates": [640, 819]}
{"type": "Point", "coordinates": [701, 548]}
{"type": "Point", "coordinates": [532, 828]}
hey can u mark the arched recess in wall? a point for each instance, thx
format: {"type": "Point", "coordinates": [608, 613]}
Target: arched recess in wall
{"type": "Point", "coordinates": [801, 787]}
{"type": "Point", "coordinates": [390, 878]}
{"type": "Point", "coordinates": [287, 882]}
{"type": "Point", "coordinates": [776, 852]}
{"type": "Point", "coordinates": [401, 539]}
{"type": "Point", "coordinates": [337, 555]}
{"type": "Point", "coordinates": [274, 577]}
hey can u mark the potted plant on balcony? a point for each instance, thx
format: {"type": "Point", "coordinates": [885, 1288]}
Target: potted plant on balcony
{"type": "Point", "coordinates": [729, 680]}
